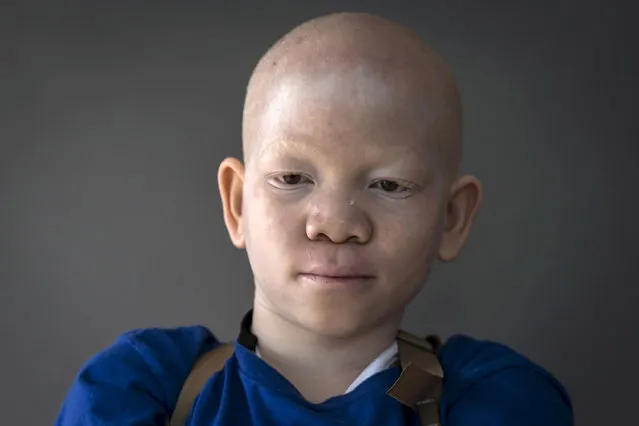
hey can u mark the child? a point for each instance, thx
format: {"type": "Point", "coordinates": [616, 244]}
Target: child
{"type": "Point", "coordinates": [348, 194]}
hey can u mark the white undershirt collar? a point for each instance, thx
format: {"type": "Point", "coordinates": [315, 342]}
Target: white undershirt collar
{"type": "Point", "coordinates": [383, 361]}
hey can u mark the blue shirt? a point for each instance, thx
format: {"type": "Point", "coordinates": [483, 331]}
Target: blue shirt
{"type": "Point", "coordinates": [137, 380]}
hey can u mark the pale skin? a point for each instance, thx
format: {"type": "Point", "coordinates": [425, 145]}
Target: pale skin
{"type": "Point", "coordinates": [348, 193]}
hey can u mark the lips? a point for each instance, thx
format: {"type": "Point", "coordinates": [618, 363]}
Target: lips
{"type": "Point", "coordinates": [327, 264]}
{"type": "Point", "coordinates": [336, 277]}
{"type": "Point", "coordinates": [338, 272]}
{"type": "Point", "coordinates": [331, 273]}
{"type": "Point", "coordinates": [337, 281]}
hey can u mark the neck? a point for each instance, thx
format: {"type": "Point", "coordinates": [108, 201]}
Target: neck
{"type": "Point", "coordinates": [319, 366]}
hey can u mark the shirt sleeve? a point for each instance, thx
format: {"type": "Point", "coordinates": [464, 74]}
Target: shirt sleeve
{"type": "Point", "coordinates": [515, 396]}
{"type": "Point", "coordinates": [137, 380]}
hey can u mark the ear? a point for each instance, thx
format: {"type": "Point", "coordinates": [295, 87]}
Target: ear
{"type": "Point", "coordinates": [230, 179]}
{"type": "Point", "coordinates": [461, 208]}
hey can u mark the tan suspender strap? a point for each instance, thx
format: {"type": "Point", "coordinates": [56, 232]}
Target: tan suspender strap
{"type": "Point", "coordinates": [420, 384]}
{"type": "Point", "coordinates": [205, 367]}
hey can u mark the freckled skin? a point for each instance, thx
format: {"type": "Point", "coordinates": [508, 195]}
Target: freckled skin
{"type": "Point", "coordinates": [341, 151]}
{"type": "Point", "coordinates": [351, 137]}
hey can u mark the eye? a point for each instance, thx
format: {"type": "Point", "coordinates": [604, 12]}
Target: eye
{"type": "Point", "coordinates": [289, 180]}
{"type": "Point", "coordinates": [394, 188]}
{"type": "Point", "coordinates": [293, 179]}
{"type": "Point", "coordinates": [391, 186]}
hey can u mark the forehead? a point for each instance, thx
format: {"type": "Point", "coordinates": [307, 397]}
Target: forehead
{"type": "Point", "coordinates": [353, 86]}
{"type": "Point", "coordinates": [340, 111]}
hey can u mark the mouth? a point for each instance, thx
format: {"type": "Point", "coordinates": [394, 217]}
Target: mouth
{"type": "Point", "coordinates": [339, 280]}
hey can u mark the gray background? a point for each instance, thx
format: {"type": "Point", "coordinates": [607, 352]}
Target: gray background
{"type": "Point", "coordinates": [114, 120]}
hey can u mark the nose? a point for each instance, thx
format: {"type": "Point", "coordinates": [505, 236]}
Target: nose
{"type": "Point", "coordinates": [339, 220]}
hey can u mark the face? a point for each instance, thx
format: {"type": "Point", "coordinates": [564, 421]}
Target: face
{"type": "Point", "coordinates": [342, 205]}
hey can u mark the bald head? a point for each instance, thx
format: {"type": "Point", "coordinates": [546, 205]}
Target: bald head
{"type": "Point", "coordinates": [361, 62]}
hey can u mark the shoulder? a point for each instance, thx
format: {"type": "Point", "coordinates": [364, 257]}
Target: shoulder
{"type": "Point", "coordinates": [136, 379]}
{"type": "Point", "coordinates": [490, 381]}
{"type": "Point", "coordinates": [166, 346]}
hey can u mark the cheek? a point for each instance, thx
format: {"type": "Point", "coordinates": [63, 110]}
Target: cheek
{"type": "Point", "coordinates": [278, 222]}
{"type": "Point", "coordinates": [271, 222]}
{"type": "Point", "coordinates": [410, 242]}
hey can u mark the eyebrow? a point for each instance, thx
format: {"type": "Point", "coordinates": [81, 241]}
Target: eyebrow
{"type": "Point", "coordinates": [276, 146]}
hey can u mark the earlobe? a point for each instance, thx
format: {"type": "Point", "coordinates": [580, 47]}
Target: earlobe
{"type": "Point", "coordinates": [461, 209]}
{"type": "Point", "coordinates": [230, 179]}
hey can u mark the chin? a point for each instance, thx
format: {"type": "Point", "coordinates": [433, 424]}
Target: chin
{"type": "Point", "coordinates": [335, 323]}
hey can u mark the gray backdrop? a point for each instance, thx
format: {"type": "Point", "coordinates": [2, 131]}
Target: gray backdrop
{"type": "Point", "coordinates": [114, 120]}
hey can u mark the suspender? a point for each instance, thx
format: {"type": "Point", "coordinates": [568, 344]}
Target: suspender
{"type": "Point", "coordinates": [205, 367]}
{"type": "Point", "coordinates": [419, 386]}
